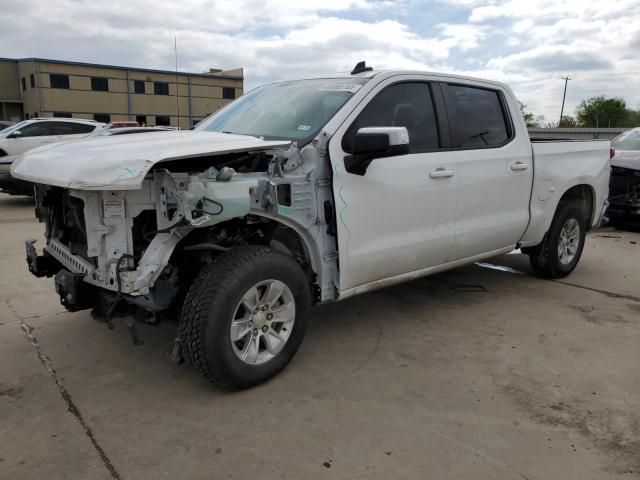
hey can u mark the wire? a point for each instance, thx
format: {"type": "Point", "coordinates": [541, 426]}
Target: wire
{"type": "Point", "coordinates": [205, 199]}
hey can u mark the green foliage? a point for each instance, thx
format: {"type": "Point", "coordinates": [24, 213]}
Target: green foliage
{"type": "Point", "coordinates": [602, 112]}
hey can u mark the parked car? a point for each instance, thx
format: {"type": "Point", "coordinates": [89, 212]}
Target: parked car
{"type": "Point", "coordinates": [624, 195]}
{"type": "Point", "coordinates": [28, 134]}
{"type": "Point", "coordinates": [8, 183]}
{"type": "Point", "coordinates": [300, 193]}
{"type": "Point", "coordinates": [5, 124]}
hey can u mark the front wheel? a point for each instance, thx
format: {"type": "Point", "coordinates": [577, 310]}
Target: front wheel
{"type": "Point", "coordinates": [561, 249]}
{"type": "Point", "coordinates": [244, 316]}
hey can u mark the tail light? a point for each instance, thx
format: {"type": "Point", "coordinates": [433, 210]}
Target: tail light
{"type": "Point", "coordinates": [612, 152]}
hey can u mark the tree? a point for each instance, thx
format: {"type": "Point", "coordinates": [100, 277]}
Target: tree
{"type": "Point", "coordinates": [633, 118]}
{"type": "Point", "coordinates": [529, 118]}
{"type": "Point", "coordinates": [566, 122]}
{"type": "Point", "coordinates": [602, 112]}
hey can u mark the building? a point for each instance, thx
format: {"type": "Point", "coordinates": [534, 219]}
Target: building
{"type": "Point", "coordinates": [36, 87]}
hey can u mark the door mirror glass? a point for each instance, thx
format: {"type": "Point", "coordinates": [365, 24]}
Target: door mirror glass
{"type": "Point", "coordinates": [376, 142]}
{"type": "Point", "coordinates": [16, 134]}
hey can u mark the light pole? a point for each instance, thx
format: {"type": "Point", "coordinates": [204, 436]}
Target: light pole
{"type": "Point", "coordinates": [564, 95]}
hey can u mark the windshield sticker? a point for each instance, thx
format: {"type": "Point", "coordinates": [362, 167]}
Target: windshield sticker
{"type": "Point", "coordinates": [304, 128]}
{"type": "Point", "coordinates": [340, 87]}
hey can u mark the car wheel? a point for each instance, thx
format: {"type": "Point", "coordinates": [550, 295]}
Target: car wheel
{"type": "Point", "coordinates": [561, 249]}
{"type": "Point", "coordinates": [244, 316]}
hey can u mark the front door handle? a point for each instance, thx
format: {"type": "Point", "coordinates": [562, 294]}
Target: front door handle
{"type": "Point", "coordinates": [519, 166]}
{"type": "Point", "coordinates": [441, 173]}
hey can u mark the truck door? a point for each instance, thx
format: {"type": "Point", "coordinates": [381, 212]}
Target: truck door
{"type": "Point", "coordinates": [494, 166]}
{"type": "Point", "coordinates": [399, 215]}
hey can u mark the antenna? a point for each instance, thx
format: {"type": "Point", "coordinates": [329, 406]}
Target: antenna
{"type": "Point", "coordinates": [175, 48]}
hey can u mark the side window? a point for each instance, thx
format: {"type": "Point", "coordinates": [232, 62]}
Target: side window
{"type": "Point", "coordinates": [477, 115]}
{"type": "Point", "coordinates": [38, 129]}
{"type": "Point", "coordinates": [69, 128]}
{"type": "Point", "coordinates": [78, 128]}
{"type": "Point", "coordinates": [401, 105]}
{"type": "Point", "coordinates": [60, 128]}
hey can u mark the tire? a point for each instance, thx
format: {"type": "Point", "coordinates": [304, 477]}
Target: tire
{"type": "Point", "coordinates": [546, 259]}
{"type": "Point", "coordinates": [219, 296]}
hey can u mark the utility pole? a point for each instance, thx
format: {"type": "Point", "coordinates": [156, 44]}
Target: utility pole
{"type": "Point", "coordinates": [566, 79]}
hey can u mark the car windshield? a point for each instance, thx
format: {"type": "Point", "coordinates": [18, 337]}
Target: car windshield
{"type": "Point", "coordinates": [284, 111]}
{"type": "Point", "coordinates": [7, 131]}
{"type": "Point", "coordinates": [628, 140]}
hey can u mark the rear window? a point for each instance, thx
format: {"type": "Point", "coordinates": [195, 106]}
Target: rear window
{"type": "Point", "coordinates": [627, 141]}
{"type": "Point", "coordinates": [477, 116]}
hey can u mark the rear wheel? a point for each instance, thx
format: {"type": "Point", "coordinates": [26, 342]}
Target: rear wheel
{"type": "Point", "coordinates": [561, 249]}
{"type": "Point", "coordinates": [244, 316]}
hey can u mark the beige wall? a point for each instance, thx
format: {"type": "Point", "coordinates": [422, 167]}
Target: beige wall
{"type": "Point", "coordinates": [120, 101]}
{"type": "Point", "coordinates": [9, 84]}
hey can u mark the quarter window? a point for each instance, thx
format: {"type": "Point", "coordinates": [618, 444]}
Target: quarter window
{"type": "Point", "coordinates": [477, 115]}
{"type": "Point", "coordinates": [401, 105]}
{"type": "Point", "coordinates": [59, 81]}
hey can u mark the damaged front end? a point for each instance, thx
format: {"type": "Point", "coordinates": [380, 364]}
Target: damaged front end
{"type": "Point", "coordinates": [134, 252]}
{"type": "Point", "coordinates": [624, 193]}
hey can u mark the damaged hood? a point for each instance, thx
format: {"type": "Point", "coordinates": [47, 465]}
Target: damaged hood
{"type": "Point", "coordinates": [626, 159]}
{"type": "Point", "coordinates": [120, 162]}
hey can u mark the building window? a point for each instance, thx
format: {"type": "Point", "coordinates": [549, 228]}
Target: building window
{"type": "Point", "coordinates": [32, 80]}
{"type": "Point", "coordinates": [161, 88]}
{"type": "Point", "coordinates": [102, 117]}
{"type": "Point", "coordinates": [62, 114]}
{"type": "Point", "coordinates": [139, 87]}
{"type": "Point", "coordinates": [163, 120]}
{"type": "Point", "coordinates": [228, 93]}
{"type": "Point", "coordinates": [141, 119]}
{"type": "Point", "coordinates": [59, 81]}
{"type": "Point", "coordinates": [26, 116]}
{"type": "Point", "coordinates": [99, 84]}
{"type": "Point", "coordinates": [24, 84]}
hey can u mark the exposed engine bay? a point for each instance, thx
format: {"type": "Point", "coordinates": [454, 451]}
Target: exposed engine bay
{"type": "Point", "coordinates": [122, 252]}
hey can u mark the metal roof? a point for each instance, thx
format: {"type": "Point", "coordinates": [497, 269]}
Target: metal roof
{"type": "Point", "coordinates": [118, 67]}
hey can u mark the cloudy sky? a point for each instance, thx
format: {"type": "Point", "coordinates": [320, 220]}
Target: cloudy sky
{"type": "Point", "coordinates": [528, 43]}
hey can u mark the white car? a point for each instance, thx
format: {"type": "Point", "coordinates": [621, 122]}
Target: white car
{"type": "Point", "coordinates": [300, 193]}
{"type": "Point", "coordinates": [29, 134]}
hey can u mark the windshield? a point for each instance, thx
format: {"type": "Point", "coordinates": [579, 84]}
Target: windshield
{"type": "Point", "coordinates": [285, 111]}
{"type": "Point", "coordinates": [628, 140]}
{"type": "Point", "coordinates": [7, 131]}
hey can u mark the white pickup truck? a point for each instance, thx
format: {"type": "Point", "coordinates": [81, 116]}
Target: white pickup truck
{"type": "Point", "coordinates": [303, 192]}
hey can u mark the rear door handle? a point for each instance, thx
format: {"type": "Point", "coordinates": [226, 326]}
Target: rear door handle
{"type": "Point", "coordinates": [441, 173]}
{"type": "Point", "coordinates": [519, 166]}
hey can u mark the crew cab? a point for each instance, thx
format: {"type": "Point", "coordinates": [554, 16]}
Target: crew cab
{"type": "Point", "coordinates": [304, 192]}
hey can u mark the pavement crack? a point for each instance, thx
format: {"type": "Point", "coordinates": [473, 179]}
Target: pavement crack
{"type": "Point", "coordinates": [598, 290]}
{"type": "Point", "coordinates": [66, 396]}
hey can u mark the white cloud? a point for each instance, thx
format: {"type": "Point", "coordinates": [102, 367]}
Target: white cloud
{"type": "Point", "coordinates": [526, 43]}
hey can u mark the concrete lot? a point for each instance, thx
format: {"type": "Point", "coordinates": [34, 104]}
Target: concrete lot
{"type": "Point", "coordinates": [477, 373]}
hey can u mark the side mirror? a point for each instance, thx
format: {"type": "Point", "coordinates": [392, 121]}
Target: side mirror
{"type": "Point", "coordinates": [16, 134]}
{"type": "Point", "coordinates": [376, 142]}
